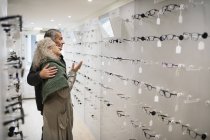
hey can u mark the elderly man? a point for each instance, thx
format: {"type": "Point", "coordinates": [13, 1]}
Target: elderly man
{"type": "Point", "coordinates": [37, 75]}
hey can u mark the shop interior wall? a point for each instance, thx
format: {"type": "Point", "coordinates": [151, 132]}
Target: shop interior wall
{"type": "Point", "coordinates": [191, 81]}
{"type": "Point", "coordinates": [165, 91]}
{"type": "Point", "coordinates": [3, 12]}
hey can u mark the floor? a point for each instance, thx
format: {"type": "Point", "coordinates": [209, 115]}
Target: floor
{"type": "Point", "coordinates": [33, 123]}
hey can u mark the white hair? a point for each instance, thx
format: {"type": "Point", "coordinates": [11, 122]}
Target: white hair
{"type": "Point", "coordinates": [43, 51]}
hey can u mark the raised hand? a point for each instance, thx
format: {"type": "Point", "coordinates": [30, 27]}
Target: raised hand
{"type": "Point", "coordinates": [75, 68]}
{"type": "Point", "coordinates": [48, 72]}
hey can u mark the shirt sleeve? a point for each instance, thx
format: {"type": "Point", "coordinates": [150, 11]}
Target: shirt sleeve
{"type": "Point", "coordinates": [33, 77]}
{"type": "Point", "coordinates": [71, 78]}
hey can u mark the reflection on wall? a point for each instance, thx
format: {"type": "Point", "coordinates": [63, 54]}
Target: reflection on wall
{"type": "Point", "coordinates": [151, 79]}
{"type": "Point", "coordinates": [106, 27]}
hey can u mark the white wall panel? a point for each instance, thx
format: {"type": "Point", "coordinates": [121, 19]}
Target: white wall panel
{"type": "Point", "coordinates": [188, 79]}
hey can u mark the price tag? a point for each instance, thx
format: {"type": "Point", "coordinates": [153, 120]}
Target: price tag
{"type": "Point", "coordinates": [142, 49]}
{"type": "Point", "coordinates": [158, 20]}
{"type": "Point", "coordinates": [124, 123]}
{"type": "Point", "coordinates": [178, 49]}
{"type": "Point", "coordinates": [180, 19]}
{"type": "Point", "coordinates": [156, 98]}
{"type": "Point", "coordinates": [140, 69]}
{"type": "Point", "coordinates": [170, 128]}
{"type": "Point", "coordinates": [159, 44]}
{"type": "Point", "coordinates": [150, 123]}
{"type": "Point", "coordinates": [140, 90]}
{"type": "Point", "coordinates": [201, 45]}
{"type": "Point", "coordinates": [176, 108]}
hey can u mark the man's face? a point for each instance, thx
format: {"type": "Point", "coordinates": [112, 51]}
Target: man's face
{"type": "Point", "coordinates": [59, 40]}
{"type": "Point", "coordinates": [55, 49]}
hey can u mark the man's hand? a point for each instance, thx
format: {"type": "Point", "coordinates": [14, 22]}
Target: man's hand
{"type": "Point", "coordinates": [75, 68]}
{"type": "Point", "coordinates": [48, 72]}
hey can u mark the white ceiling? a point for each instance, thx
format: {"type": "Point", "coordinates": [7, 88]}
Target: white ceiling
{"type": "Point", "coordinates": [38, 13]}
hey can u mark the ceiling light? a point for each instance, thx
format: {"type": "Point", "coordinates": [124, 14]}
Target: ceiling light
{"type": "Point", "coordinates": [59, 24]}
{"type": "Point", "coordinates": [52, 20]}
{"type": "Point", "coordinates": [90, 0]}
{"type": "Point", "coordinates": [69, 16]}
{"type": "Point", "coordinates": [32, 23]}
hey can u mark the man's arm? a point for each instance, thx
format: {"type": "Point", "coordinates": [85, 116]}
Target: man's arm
{"type": "Point", "coordinates": [35, 76]}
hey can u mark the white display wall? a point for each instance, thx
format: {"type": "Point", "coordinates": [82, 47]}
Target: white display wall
{"type": "Point", "coordinates": [3, 12]}
{"type": "Point", "coordinates": [11, 73]}
{"type": "Point", "coordinates": [151, 79]}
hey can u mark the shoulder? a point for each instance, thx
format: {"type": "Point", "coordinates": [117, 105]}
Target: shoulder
{"type": "Point", "coordinates": [45, 62]}
{"type": "Point", "coordinates": [52, 62]}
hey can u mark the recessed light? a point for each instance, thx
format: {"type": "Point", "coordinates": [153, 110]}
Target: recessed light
{"type": "Point", "coordinates": [59, 24]}
{"type": "Point", "coordinates": [52, 20]}
{"type": "Point", "coordinates": [32, 23]}
{"type": "Point", "coordinates": [69, 16]}
{"type": "Point", "coordinates": [90, 0]}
